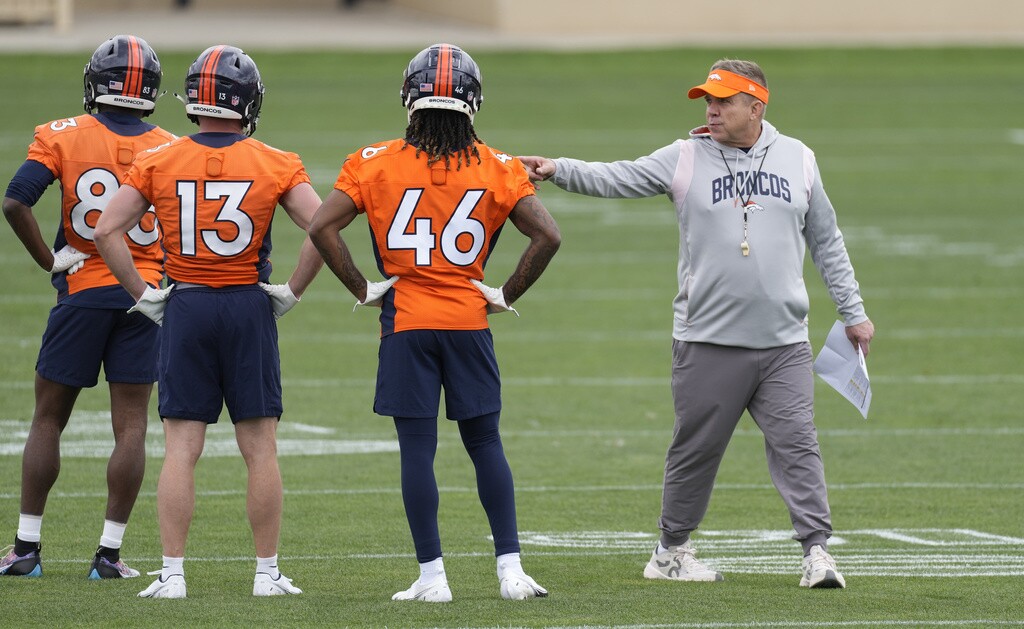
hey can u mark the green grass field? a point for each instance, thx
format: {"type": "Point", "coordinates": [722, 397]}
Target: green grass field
{"type": "Point", "coordinates": [921, 152]}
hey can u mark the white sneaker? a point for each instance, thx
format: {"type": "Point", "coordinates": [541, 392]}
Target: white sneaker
{"type": "Point", "coordinates": [819, 570]}
{"type": "Point", "coordinates": [436, 591]}
{"type": "Point", "coordinates": [519, 587]}
{"type": "Point", "coordinates": [265, 585]}
{"type": "Point", "coordinates": [679, 563]}
{"type": "Point", "coordinates": [173, 587]}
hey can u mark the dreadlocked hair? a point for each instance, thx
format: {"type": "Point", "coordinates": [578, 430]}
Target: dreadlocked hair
{"type": "Point", "coordinates": [442, 134]}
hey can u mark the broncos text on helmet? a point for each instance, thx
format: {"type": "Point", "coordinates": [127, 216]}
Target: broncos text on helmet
{"type": "Point", "coordinates": [443, 76]}
{"type": "Point", "coordinates": [123, 72]}
{"type": "Point", "coordinates": [224, 82]}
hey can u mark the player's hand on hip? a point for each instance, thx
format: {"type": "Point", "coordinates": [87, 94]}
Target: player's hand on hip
{"type": "Point", "coordinates": [495, 298]}
{"type": "Point", "coordinates": [68, 259]}
{"type": "Point", "coordinates": [375, 292]}
{"type": "Point", "coordinates": [152, 303]}
{"type": "Point", "coordinates": [282, 299]}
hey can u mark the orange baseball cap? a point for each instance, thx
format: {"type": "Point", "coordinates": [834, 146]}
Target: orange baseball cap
{"type": "Point", "coordinates": [723, 84]}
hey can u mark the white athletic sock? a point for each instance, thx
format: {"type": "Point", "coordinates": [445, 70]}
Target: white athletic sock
{"type": "Point", "coordinates": [431, 569]}
{"type": "Point", "coordinates": [268, 565]}
{"type": "Point", "coordinates": [172, 565]}
{"type": "Point", "coordinates": [113, 534]}
{"type": "Point", "coordinates": [509, 563]}
{"type": "Point", "coordinates": [29, 527]}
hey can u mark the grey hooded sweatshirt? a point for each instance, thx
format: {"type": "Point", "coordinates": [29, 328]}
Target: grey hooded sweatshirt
{"type": "Point", "coordinates": [755, 301]}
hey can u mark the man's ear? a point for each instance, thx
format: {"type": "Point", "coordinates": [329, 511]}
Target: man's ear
{"type": "Point", "coordinates": [756, 108]}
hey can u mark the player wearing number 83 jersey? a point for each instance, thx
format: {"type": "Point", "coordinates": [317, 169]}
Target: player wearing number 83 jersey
{"type": "Point", "coordinates": [89, 328]}
{"type": "Point", "coordinates": [434, 228]}
{"type": "Point", "coordinates": [90, 154]}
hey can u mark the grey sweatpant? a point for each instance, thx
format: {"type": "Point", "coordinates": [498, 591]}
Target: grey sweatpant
{"type": "Point", "coordinates": [711, 386]}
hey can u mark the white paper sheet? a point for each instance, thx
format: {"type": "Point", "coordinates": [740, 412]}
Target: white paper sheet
{"type": "Point", "coordinates": [843, 367]}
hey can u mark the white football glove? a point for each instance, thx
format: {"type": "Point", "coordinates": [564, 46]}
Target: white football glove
{"type": "Point", "coordinates": [375, 292]}
{"type": "Point", "coordinates": [282, 299]}
{"type": "Point", "coordinates": [68, 259]}
{"type": "Point", "coordinates": [495, 298]}
{"type": "Point", "coordinates": [152, 303]}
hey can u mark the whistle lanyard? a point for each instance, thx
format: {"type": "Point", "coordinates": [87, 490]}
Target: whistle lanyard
{"type": "Point", "coordinates": [748, 205]}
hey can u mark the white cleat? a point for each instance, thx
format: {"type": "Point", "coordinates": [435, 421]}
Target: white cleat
{"type": "Point", "coordinates": [519, 587]}
{"type": "Point", "coordinates": [173, 587]}
{"type": "Point", "coordinates": [436, 591]}
{"type": "Point", "coordinates": [679, 563]}
{"type": "Point", "coordinates": [819, 570]}
{"type": "Point", "coordinates": [265, 585]}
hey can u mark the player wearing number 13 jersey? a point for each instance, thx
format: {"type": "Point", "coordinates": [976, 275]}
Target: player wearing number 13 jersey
{"type": "Point", "coordinates": [436, 202]}
{"type": "Point", "coordinates": [215, 194]}
{"type": "Point", "coordinates": [90, 327]}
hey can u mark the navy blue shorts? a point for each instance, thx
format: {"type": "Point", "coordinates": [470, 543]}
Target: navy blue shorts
{"type": "Point", "coordinates": [218, 347]}
{"type": "Point", "coordinates": [416, 364]}
{"type": "Point", "coordinates": [77, 340]}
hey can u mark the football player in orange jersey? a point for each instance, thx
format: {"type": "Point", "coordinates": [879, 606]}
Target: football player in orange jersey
{"type": "Point", "coordinates": [89, 326]}
{"type": "Point", "coordinates": [436, 202]}
{"type": "Point", "coordinates": [215, 194]}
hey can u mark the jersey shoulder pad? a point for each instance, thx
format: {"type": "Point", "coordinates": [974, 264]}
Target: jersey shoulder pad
{"type": "Point", "coordinates": [64, 125]}
{"type": "Point", "coordinates": [267, 149]}
{"type": "Point", "coordinates": [164, 133]}
{"type": "Point", "coordinates": [502, 157]}
{"type": "Point", "coordinates": [146, 155]}
{"type": "Point", "coordinates": [378, 149]}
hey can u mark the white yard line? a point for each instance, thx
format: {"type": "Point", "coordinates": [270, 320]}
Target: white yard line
{"type": "Point", "coordinates": [606, 382]}
{"type": "Point", "coordinates": [816, 623]}
{"type": "Point", "coordinates": [570, 489]}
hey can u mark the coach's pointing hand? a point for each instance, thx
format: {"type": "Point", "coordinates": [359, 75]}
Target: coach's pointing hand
{"type": "Point", "coordinates": [538, 168]}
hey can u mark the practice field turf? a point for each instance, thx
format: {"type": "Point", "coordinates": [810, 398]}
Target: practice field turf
{"type": "Point", "coordinates": [921, 152]}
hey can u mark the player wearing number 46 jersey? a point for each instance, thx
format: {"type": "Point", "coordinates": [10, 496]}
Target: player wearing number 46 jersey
{"type": "Point", "coordinates": [215, 194]}
{"type": "Point", "coordinates": [436, 202]}
{"type": "Point", "coordinates": [89, 325]}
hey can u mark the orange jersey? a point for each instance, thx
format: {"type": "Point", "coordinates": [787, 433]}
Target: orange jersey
{"type": "Point", "coordinates": [89, 160]}
{"type": "Point", "coordinates": [434, 228]}
{"type": "Point", "coordinates": [215, 197]}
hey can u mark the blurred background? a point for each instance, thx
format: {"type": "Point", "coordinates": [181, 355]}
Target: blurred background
{"type": "Point", "coordinates": [547, 24]}
{"type": "Point", "coordinates": [912, 110]}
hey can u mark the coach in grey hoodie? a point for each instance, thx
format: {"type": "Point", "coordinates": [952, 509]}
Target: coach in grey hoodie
{"type": "Point", "coordinates": [749, 201]}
